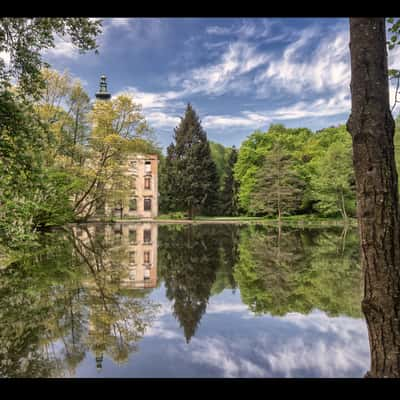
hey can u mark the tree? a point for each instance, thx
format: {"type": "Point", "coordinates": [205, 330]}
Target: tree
{"type": "Point", "coordinates": [230, 189]}
{"type": "Point", "coordinates": [372, 129]}
{"type": "Point", "coordinates": [24, 40]}
{"type": "Point", "coordinates": [118, 128]}
{"type": "Point", "coordinates": [252, 153]}
{"type": "Point", "coordinates": [278, 187]}
{"type": "Point", "coordinates": [332, 182]}
{"type": "Point", "coordinates": [192, 179]}
{"type": "Point", "coordinates": [28, 190]}
{"type": "Point", "coordinates": [220, 155]}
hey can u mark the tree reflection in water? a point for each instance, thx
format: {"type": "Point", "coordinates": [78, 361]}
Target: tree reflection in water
{"type": "Point", "coordinates": [292, 270]}
{"type": "Point", "coordinates": [85, 290]}
{"type": "Point", "coordinates": [72, 291]}
{"type": "Point", "coordinates": [190, 257]}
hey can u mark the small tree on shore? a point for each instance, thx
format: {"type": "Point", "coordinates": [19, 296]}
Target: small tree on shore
{"type": "Point", "coordinates": [279, 188]}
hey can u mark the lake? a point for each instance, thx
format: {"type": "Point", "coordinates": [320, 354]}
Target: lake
{"type": "Point", "coordinates": [201, 300]}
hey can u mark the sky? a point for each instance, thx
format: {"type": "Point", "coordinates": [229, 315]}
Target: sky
{"type": "Point", "coordinates": [240, 74]}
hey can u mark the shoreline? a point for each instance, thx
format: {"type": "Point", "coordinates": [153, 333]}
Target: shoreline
{"type": "Point", "coordinates": [296, 222]}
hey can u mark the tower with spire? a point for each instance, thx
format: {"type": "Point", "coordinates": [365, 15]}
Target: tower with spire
{"type": "Point", "coordinates": [143, 168]}
{"type": "Point", "coordinates": [103, 94]}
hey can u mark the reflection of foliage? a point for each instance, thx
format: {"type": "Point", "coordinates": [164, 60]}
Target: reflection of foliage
{"type": "Point", "coordinates": [190, 259]}
{"type": "Point", "coordinates": [288, 271]}
{"type": "Point", "coordinates": [67, 291]}
{"type": "Point", "coordinates": [228, 238]}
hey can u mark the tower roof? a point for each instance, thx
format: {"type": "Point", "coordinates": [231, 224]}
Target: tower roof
{"type": "Point", "coordinates": [103, 94]}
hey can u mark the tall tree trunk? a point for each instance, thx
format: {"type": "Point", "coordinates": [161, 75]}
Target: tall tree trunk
{"type": "Point", "coordinates": [372, 128]}
{"type": "Point", "coordinates": [343, 206]}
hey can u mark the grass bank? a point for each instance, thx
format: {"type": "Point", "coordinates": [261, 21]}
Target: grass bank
{"type": "Point", "coordinates": [294, 220]}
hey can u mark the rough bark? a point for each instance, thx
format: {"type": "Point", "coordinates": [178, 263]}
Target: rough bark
{"type": "Point", "coordinates": [372, 128]}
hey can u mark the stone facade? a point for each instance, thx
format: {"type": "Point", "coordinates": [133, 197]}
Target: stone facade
{"type": "Point", "coordinates": [142, 201]}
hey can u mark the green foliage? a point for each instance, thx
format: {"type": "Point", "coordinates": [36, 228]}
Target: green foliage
{"type": "Point", "coordinates": [191, 181]}
{"type": "Point", "coordinates": [333, 180]}
{"type": "Point", "coordinates": [314, 162]}
{"type": "Point", "coordinates": [230, 190]}
{"type": "Point", "coordinates": [190, 260]}
{"type": "Point", "coordinates": [24, 40]}
{"type": "Point", "coordinates": [253, 151]}
{"type": "Point", "coordinates": [279, 188]}
{"type": "Point", "coordinates": [220, 155]}
{"type": "Point", "coordinates": [68, 289]}
{"type": "Point", "coordinates": [33, 190]}
{"type": "Point", "coordinates": [394, 29]}
{"type": "Point", "coordinates": [281, 271]}
{"type": "Point", "coordinates": [73, 287]}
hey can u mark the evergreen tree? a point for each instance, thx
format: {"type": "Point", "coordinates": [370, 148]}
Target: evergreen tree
{"type": "Point", "coordinates": [192, 178]}
{"type": "Point", "coordinates": [189, 261]}
{"type": "Point", "coordinates": [229, 195]}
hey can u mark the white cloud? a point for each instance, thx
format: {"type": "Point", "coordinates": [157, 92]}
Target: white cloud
{"type": "Point", "coordinates": [162, 120]}
{"type": "Point", "coordinates": [120, 22]}
{"type": "Point", "coordinates": [239, 59]}
{"type": "Point", "coordinates": [249, 119]}
{"type": "Point", "coordinates": [63, 49]}
{"type": "Point", "coordinates": [290, 346]}
{"type": "Point", "coordinates": [151, 100]}
{"type": "Point", "coordinates": [140, 32]}
{"type": "Point", "coordinates": [320, 107]}
{"type": "Point", "coordinates": [246, 29]}
{"type": "Point", "coordinates": [225, 307]}
{"type": "Point", "coordinates": [328, 67]}
{"type": "Point", "coordinates": [218, 30]}
{"type": "Point", "coordinates": [158, 108]}
{"type": "Point", "coordinates": [338, 104]}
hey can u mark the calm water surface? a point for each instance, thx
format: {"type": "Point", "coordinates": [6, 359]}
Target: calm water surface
{"type": "Point", "coordinates": [151, 300]}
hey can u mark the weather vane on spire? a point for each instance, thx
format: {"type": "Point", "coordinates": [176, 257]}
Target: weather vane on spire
{"type": "Point", "coordinates": [103, 94]}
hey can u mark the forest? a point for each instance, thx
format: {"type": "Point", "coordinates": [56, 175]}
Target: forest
{"type": "Point", "coordinates": [61, 153]}
{"type": "Point", "coordinates": [61, 156]}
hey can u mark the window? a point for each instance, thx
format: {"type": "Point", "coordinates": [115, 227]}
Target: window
{"type": "Point", "coordinates": [147, 235]}
{"type": "Point", "coordinates": [118, 229]}
{"type": "Point", "coordinates": [147, 167]}
{"type": "Point", "coordinates": [146, 257]}
{"type": "Point", "coordinates": [147, 183]}
{"type": "Point", "coordinates": [132, 236]}
{"type": "Point", "coordinates": [132, 205]}
{"type": "Point", "coordinates": [147, 204]}
{"type": "Point", "coordinates": [133, 184]}
{"type": "Point", "coordinates": [146, 274]}
{"type": "Point", "coordinates": [132, 257]}
{"type": "Point", "coordinates": [118, 234]}
{"type": "Point", "coordinates": [133, 166]}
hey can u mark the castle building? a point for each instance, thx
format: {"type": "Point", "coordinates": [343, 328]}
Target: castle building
{"type": "Point", "coordinates": [142, 169]}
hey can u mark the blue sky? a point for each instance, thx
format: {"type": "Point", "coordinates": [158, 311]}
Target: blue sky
{"type": "Point", "coordinates": [240, 74]}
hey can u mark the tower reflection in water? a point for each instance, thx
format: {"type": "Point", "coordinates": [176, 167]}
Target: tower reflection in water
{"type": "Point", "coordinates": [125, 263]}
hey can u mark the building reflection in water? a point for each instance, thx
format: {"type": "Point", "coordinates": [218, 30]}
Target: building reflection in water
{"type": "Point", "coordinates": [125, 260]}
{"type": "Point", "coordinates": [140, 242]}
{"type": "Point", "coordinates": [131, 249]}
